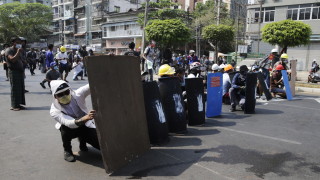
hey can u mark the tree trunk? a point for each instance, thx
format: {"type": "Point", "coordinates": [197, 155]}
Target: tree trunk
{"type": "Point", "coordinates": [284, 50]}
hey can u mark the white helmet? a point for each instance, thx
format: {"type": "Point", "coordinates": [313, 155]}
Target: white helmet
{"type": "Point", "coordinates": [274, 50]}
{"type": "Point", "coordinates": [191, 51]}
{"type": "Point", "coordinates": [195, 65]}
{"type": "Point", "coordinates": [215, 67]}
{"type": "Point", "coordinates": [222, 66]}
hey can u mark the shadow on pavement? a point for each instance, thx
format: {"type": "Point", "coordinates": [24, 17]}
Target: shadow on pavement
{"type": "Point", "coordinates": [181, 141]}
{"type": "Point", "coordinates": [47, 108]}
{"type": "Point", "coordinates": [92, 157]}
{"type": "Point", "coordinates": [212, 122]}
{"type": "Point", "coordinates": [260, 163]}
{"type": "Point", "coordinates": [267, 111]}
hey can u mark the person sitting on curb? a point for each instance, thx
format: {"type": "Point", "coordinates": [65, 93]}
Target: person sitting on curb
{"type": "Point", "coordinates": [52, 74]}
{"type": "Point", "coordinates": [276, 82]}
{"type": "Point", "coordinates": [237, 90]}
{"type": "Point", "coordinates": [73, 118]}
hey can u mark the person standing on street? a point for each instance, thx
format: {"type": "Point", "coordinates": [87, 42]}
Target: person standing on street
{"type": "Point", "coordinates": [78, 69]}
{"type": "Point", "coordinates": [15, 62]}
{"type": "Point", "coordinates": [132, 52]}
{"type": "Point", "coordinates": [192, 57]}
{"type": "Point", "coordinates": [4, 60]}
{"type": "Point", "coordinates": [62, 58]}
{"type": "Point", "coordinates": [49, 56]}
{"type": "Point", "coordinates": [32, 61]}
{"type": "Point", "coordinates": [73, 118]}
{"type": "Point", "coordinates": [149, 54]}
{"type": "Point", "coordinates": [84, 53]}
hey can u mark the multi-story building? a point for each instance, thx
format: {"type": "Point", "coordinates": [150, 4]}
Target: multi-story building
{"type": "Point", "coordinates": [45, 2]}
{"type": "Point", "coordinates": [78, 22]}
{"type": "Point", "coordinates": [307, 11]}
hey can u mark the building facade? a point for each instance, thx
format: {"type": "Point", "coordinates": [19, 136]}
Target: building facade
{"type": "Point", "coordinates": [306, 11]}
{"type": "Point", "coordinates": [78, 22]}
{"type": "Point", "coordinates": [45, 2]}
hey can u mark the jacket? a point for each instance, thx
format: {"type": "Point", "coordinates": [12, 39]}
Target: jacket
{"type": "Point", "coordinates": [57, 111]}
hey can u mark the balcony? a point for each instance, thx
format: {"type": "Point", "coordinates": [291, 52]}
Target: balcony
{"type": "Point", "coordinates": [57, 30]}
{"type": "Point", "coordinates": [68, 1]}
{"type": "Point", "coordinates": [55, 3]}
{"type": "Point", "coordinates": [96, 1]}
{"type": "Point", "coordinates": [81, 29]}
{"type": "Point", "coordinates": [55, 16]}
{"type": "Point", "coordinates": [81, 3]}
{"type": "Point", "coordinates": [96, 41]}
{"type": "Point", "coordinates": [98, 14]}
{"type": "Point", "coordinates": [68, 14]}
{"type": "Point", "coordinates": [69, 29]}
{"type": "Point", "coordinates": [80, 15]}
{"type": "Point", "coordinates": [96, 28]}
{"type": "Point", "coordinates": [124, 33]}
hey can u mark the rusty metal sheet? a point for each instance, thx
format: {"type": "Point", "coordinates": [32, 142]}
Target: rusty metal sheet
{"type": "Point", "coordinates": [117, 96]}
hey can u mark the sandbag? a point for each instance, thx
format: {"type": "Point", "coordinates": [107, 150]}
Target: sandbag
{"type": "Point", "coordinates": [157, 124]}
{"type": "Point", "coordinates": [173, 105]}
{"type": "Point", "coordinates": [195, 101]}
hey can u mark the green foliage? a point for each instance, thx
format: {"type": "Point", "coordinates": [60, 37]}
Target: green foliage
{"type": "Point", "coordinates": [167, 33]}
{"type": "Point", "coordinates": [162, 10]}
{"type": "Point", "coordinates": [30, 20]}
{"type": "Point", "coordinates": [287, 33]}
{"type": "Point", "coordinates": [218, 33]}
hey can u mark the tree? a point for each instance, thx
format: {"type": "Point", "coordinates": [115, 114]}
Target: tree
{"type": "Point", "coordinates": [168, 33]}
{"type": "Point", "coordinates": [162, 10]}
{"type": "Point", "coordinates": [287, 33]}
{"type": "Point", "coordinates": [30, 20]}
{"type": "Point", "coordinates": [217, 34]}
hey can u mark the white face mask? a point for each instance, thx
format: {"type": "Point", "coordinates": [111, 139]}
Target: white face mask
{"type": "Point", "coordinates": [18, 46]}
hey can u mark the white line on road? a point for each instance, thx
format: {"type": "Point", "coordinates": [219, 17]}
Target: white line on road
{"type": "Point", "coordinates": [196, 164]}
{"type": "Point", "coordinates": [295, 106]}
{"type": "Point", "coordinates": [260, 135]}
{"type": "Point", "coordinates": [318, 100]}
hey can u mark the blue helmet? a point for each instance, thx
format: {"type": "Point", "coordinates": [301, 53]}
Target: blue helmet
{"type": "Point", "coordinates": [53, 64]}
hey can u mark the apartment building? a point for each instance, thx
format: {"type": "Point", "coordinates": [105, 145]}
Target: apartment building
{"type": "Point", "coordinates": [306, 11]}
{"type": "Point", "coordinates": [78, 22]}
{"type": "Point", "coordinates": [45, 2]}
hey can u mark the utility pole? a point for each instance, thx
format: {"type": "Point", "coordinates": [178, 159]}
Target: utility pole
{"type": "Point", "coordinates": [237, 35]}
{"type": "Point", "coordinates": [259, 23]}
{"type": "Point", "coordinates": [218, 13]}
{"type": "Point", "coordinates": [144, 26]}
{"type": "Point", "coordinates": [218, 22]}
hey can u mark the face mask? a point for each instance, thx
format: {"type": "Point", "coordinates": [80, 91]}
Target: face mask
{"type": "Point", "coordinates": [56, 68]}
{"type": "Point", "coordinates": [18, 46]}
{"type": "Point", "coordinates": [65, 99]}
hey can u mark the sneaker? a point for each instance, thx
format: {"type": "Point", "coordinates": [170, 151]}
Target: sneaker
{"type": "Point", "coordinates": [42, 85]}
{"type": "Point", "coordinates": [69, 157]}
{"type": "Point", "coordinates": [233, 109]}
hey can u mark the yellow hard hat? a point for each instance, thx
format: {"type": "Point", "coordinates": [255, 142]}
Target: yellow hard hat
{"type": "Point", "coordinates": [284, 56]}
{"type": "Point", "coordinates": [63, 49]}
{"type": "Point", "coordinates": [166, 70]}
{"type": "Point", "coordinates": [228, 67]}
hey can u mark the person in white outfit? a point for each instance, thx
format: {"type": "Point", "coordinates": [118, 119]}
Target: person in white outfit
{"type": "Point", "coordinates": [72, 116]}
{"type": "Point", "coordinates": [78, 70]}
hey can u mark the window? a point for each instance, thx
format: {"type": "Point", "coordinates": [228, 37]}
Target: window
{"type": "Point", "coordinates": [126, 27]}
{"type": "Point", "coordinates": [134, 1]}
{"type": "Point", "coordinates": [116, 9]}
{"type": "Point", "coordinates": [112, 28]}
{"type": "Point", "coordinates": [304, 12]}
{"type": "Point", "coordinates": [104, 31]}
{"type": "Point", "coordinates": [267, 14]}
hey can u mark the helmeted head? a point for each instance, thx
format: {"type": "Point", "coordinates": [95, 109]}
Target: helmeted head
{"type": "Point", "coordinates": [195, 65]}
{"type": "Point", "coordinates": [215, 67]}
{"type": "Point", "coordinates": [63, 49]}
{"type": "Point", "coordinates": [274, 51]}
{"type": "Point", "coordinates": [61, 91]}
{"type": "Point", "coordinates": [228, 67]}
{"type": "Point", "coordinates": [166, 70]}
{"type": "Point", "coordinates": [191, 52]}
{"type": "Point", "coordinates": [244, 69]}
{"type": "Point", "coordinates": [279, 67]}
{"type": "Point", "coordinates": [284, 56]}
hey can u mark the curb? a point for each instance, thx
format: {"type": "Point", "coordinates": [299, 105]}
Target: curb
{"type": "Point", "coordinates": [305, 89]}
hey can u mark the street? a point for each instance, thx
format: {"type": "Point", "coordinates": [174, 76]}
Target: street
{"type": "Point", "coordinates": [280, 141]}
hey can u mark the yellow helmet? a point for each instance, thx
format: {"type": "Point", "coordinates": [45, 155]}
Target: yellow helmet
{"type": "Point", "coordinates": [284, 56]}
{"type": "Point", "coordinates": [228, 67]}
{"type": "Point", "coordinates": [166, 70]}
{"type": "Point", "coordinates": [63, 49]}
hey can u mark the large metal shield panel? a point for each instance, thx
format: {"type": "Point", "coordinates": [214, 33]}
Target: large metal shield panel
{"type": "Point", "coordinates": [117, 96]}
{"type": "Point", "coordinates": [214, 94]}
{"type": "Point", "coordinates": [264, 86]}
{"type": "Point", "coordinates": [286, 84]}
{"type": "Point", "coordinates": [173, 105]}
{"type": "Point", "coordinates": [195, 101]}
{"type": "Point", "coordinates": [251, 86]}
{"type": "Point", "coordinates": [157, 123]}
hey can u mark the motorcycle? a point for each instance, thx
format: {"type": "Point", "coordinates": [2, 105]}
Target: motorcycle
{"type": "Point", "coordinates": [314, 76]}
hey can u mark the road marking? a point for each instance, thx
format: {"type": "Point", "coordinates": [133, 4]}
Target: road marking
{"type": "Point", "coordinates": [318, 100]}
{"type": "Point", "coordinates": [196, 164]}
{"type": "Point", "coordinates": [295, 106]}
{"type": "Point", "coordinates": [260, 135]}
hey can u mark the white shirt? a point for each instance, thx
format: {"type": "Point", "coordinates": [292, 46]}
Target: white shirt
{"type": "Point", "coordinates": [62, 57]}
{"type": "Point", "coordinates": [150, 56]}
{"type": "Point", "coordinates": [77, 67]}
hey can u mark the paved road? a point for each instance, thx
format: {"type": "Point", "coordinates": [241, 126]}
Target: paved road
{"type": "Point", "coordinates": [280, 141]}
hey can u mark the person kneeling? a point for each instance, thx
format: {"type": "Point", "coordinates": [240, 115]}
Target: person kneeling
{"type": "Point", "coordinates": [237, 90]}
{"type": "Point", "coordinates": [276, 82]}
{"type": "Point", "coordinates": [73, 118]}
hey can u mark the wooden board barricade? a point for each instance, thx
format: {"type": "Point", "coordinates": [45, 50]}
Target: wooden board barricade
{"type": "Point", "coordinates": [117, 96]}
